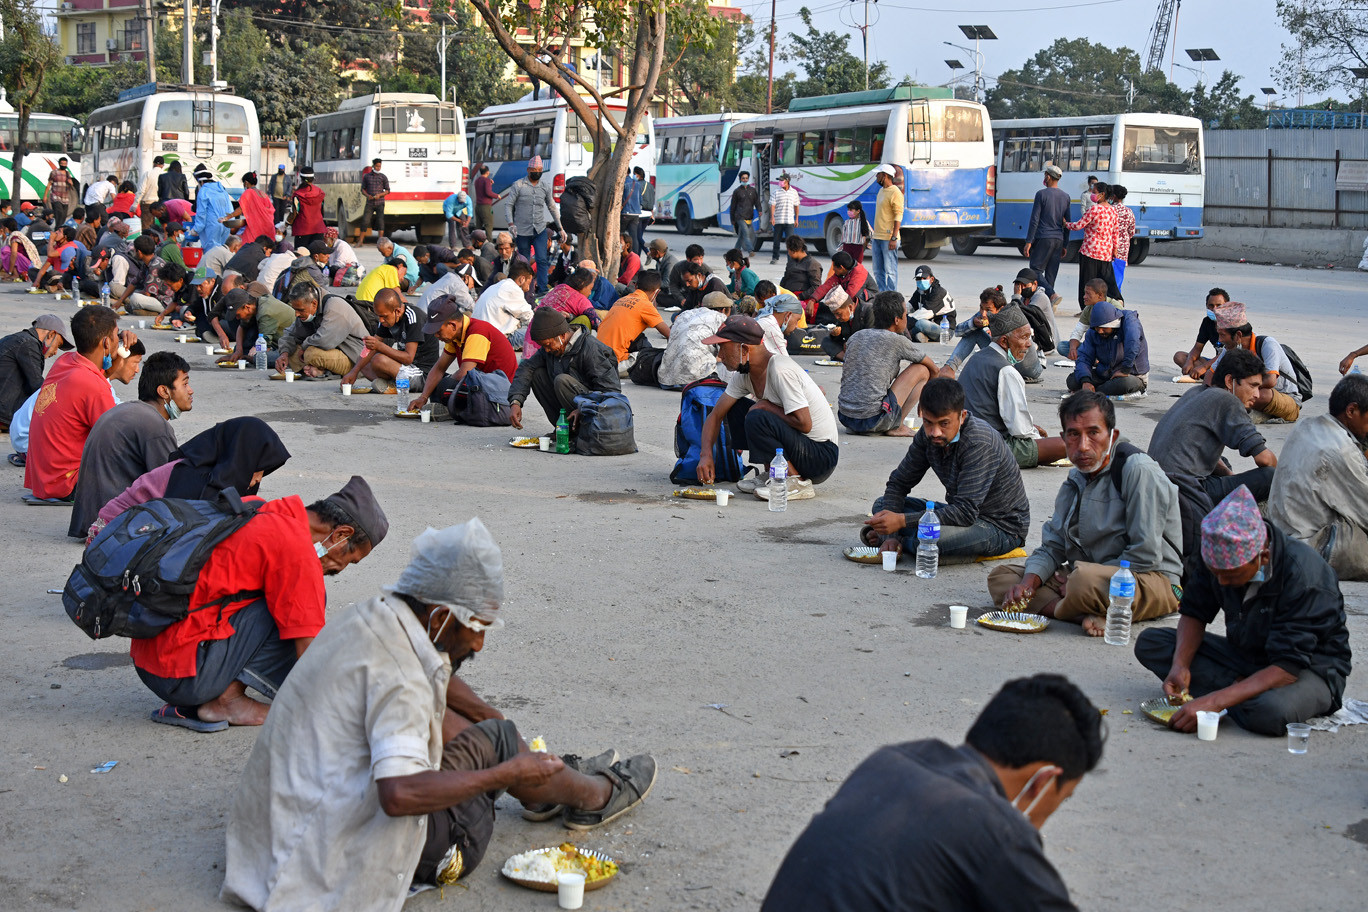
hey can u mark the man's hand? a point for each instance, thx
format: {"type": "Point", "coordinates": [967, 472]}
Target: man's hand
{"type": "Point", "coordinates": [706, 471]}
{"type": "Point", "coordinates": [1073, 349]}
{"type": "Point", "coordinates": [1193, 369]}
{"type": "Point", "coordinates": [1346, 364]}
{"type": "Point", "coordinates": [530, 769]}
{"type": "Point", "coordinates": [283, 363]}
{"type": "Point", "coordinates": [887, 522]}
{"type": "Point", "coordinates": [764, 405]}
{"type": "Point", "coordinates": [416, 405]}
{"type": "Point", "coordinates": [1120, 374]}
{"type": "Point", "coordinates": [1178, 681]}
{"type": "Point", "coordinates": [1022, 591]}
{"type": "Point", "coordinates": [1185, 719]}
{"type": "Point", "coordinates": [1088, 385]}
{"type": "Point", "coordinates": [372, 342]}
{"type": "Point", "coordinates": [834, 331]}
{"type": "Point", "coordinates": [893, 243]}
{"type": "Point", "coordinates": [573, 420]}
{"type": "Point", "coordinates": [515, 415]}
{"type": "Point", "coordinates": [1026, 250]}
{"type": "Point", "coordinates": [350, 378]}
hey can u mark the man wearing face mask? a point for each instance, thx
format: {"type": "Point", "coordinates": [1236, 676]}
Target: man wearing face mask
{"type": "Point", "coordinates": [131, 438]}
{"type": "Point", "coordinates": [909, 820]}
{"type": "Point", "coordinates": [529, 208]}
{"type": "Point", "coordinates": [1104, 513]}
{"type": "Point", "coordinates": [1285, 656]}
{"type": "Point", "coordinates": [261, 602]}
{"type": "Point", "coordinates": [569, 362]}
{"type": "Point", "coordinates": [378, 767]}
{"type": "Point", "coordinates": [1113, 358]}
{"type": "Point", "coordinates": [21, 362]}
{"type": "Point", "coordinates": [744, 210]}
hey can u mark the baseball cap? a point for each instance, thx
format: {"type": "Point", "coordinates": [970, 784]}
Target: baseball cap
{"type": "Point", "coordinates": [1053, 171]}
{"type": "Point", "coordinates": [885, 169]}
{"type": "Point", "coordinates": [320, 246]}
{"type": "Point", "coordinates": [280, 167]}
{"type": "Point", "coordinates": [465, 270]}
{"type": "Point", "coordinates": [204, 274]}
{"type": "Point", "coordinates": [659, 245]}
{"type": "Point", "coordinates": [923, 272]}
{"type": "Point", "coordinates": [443, 311]}
{"type": "Point", "coordinates": [53, 323]}
{"type": "Point", "coordinates": [737, 328]}
{"type": "Point", "coordinates": [25, 206]}
{"type": "Point", "coordinates": [1027, 274]}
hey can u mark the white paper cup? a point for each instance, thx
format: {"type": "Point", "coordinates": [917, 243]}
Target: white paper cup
{"type": "Point", "coordinates": [425, 416]}
{"type": "Point", "coordinates": [182, 338]}
{"type": "Point", "coordinates": [1207, 723]}
{"type": "Point", "coordinates": [242, 364]}
{"type": "Point", "coordinates": [346, 389]}
{"type": "Point", "coordinates": [569, 890]}
{"type": "Point", "coordinates": [142, 324]}
{"type": "Point", "coordinates": [544, 444]}
{"type": "Point", "coordinates": [958, 615]}
{"type": "Point", "coordinates": [890, 560]}
{"type": "Point", "coordinates": [289, 376]}
{"type": "Point", "coordinates": [209, 350]}
{"type": "Point", "coordinates": [723, 497]}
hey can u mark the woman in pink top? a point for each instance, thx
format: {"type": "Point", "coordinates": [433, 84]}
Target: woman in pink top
{"type": "Point", "coordinates": [569, 298]}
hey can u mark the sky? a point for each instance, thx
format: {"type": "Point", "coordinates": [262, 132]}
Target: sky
{"type": "Point", "coordinates": [908, 33]}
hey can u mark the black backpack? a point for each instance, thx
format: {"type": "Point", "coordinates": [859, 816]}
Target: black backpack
{"type": "Point", "coordinates": [645, 371]}
{"type": "Point", "coordinates": [1299, 370]}
{"type": "Point", "coordinates": [1040, 327]}
{"type": "Point", "coordinates": [364, 309]}
{"type": "Point", "coordinates": [577, 201]}
{"type": "Point", "coordinates": [137, 576]}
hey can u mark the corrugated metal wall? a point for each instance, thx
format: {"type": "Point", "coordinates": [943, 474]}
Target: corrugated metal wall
{"type": "Point", "coordinates": [1300, 165]}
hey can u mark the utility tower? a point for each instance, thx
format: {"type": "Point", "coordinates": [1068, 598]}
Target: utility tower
{"type": "Point", "coordinates": [1164, 18]}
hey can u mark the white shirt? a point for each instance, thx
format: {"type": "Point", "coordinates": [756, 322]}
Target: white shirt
{"type": "Point", "coordinates": [503, 306]}
{"type": "Point", "coordinates": [788, 386]}
{"type": "Point", "coordinates": [306, 830]}
{"type": "Point", "coordinates": [342, 255]}
{"type": "Point", "coordinates": [99, 192]}
{"type": "Point", "coordinates": [686, 358]}
{"type": "Point", "coordinates": [785, 204]}
{"type": "Point", "coordinates": [1011, 395]}
{"type": "Point", "coordinates": [270, 269]}
{"type": "Point", "coordinates": [216, 258]}
{"type": "Point", "coordinates": [447, 284]}
{"type": "Point", "coordinates": [774, 336]}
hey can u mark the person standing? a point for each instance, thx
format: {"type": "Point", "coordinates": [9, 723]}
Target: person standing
{"type": "Point", "coordinates": [1125, 230]}
{"type": "Point", "coordinates": [171, 185]}
{"type": "Point", "coordinates": [485, 198]}
{"type": "Point", "coordinates": [1099, 242]}
{"type": "Point", "coordinates": [1045, 234]}
{"type": "Point", "coordinates": [784, 204]}
{"type": "Point", "coordinates": [888, 213]}
{"type": "Point", "coordinates": [256, 209]}
{"type": "Point", "coordinates": [529, 208]}
{"type": "Point", "coordinates": [744, 210]}
{"type": "Point", "coordinates": [306, 204]}
{"type": "Point", "coordinates": [147, 191]}
{"type": "Point", "coordinates": [456, 211]}
{"type": "Point", "coordinates": [631, 208]}
{"type": "Point", "coordinates": [277, 190]}
{"type": "Point", "coordinates": [60, 194]}
{"type": "Point", "coordinates": [374, 186]}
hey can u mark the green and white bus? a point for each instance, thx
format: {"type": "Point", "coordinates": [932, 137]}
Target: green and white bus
{"type": "Point", "coordinates": [688, 168]}
{"type": "Point", "coordinates": [50, 136]}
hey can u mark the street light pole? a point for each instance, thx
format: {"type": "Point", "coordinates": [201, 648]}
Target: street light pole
{"type": "Point", "coordinates": [769, 91]}
{"type": "Point", "coordinates": [1361, 74]}
{"type": "Point", "coordinates": [978, 33]}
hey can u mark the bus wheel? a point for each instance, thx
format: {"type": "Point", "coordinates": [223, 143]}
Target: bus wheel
{"type": "Point", "coordinates": [683, 224]}
{"type": "Point", "coordinates": [831, 233]}
{"type": "Point", "coordinates": [1139, 251]}
{"type": "Point", "coordinates": [1021, 248]}
{"type": "Point", "coordinates": [964, 244]}
{"type": "Point", "coordinates": [1070, 254]}
{"type": "Point", "coordinates": [343, 229]}
{"type": "Point", "coordinates": [913, 245]}
{"type": "Point", "coordinates": [930, 253]}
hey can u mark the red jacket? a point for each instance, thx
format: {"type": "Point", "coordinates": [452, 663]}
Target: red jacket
{"type": "Point", "coordinates": [852, 282]}
{"type": "Point", "coordinates": [309, 211]}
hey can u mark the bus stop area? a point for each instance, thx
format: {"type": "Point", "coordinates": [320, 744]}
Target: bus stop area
{"type": "Point", "coordinates": [734, 644]}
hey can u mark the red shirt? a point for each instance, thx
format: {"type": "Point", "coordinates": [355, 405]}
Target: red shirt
{"type": "Point", "coordinates": [74, 396]}
{"type": "Point", "coordinates": [483, 344]}
{"type": "Point", "coordinates": [1099, 232]}
{"type": "Point", "coordinates": [55, 256]}
{"type": "Point", "coordinates": [309, 217]}
{"type": "Point", "coordinates": [273, 554]}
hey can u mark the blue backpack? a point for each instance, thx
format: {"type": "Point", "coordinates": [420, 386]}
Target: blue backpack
{"type": "Point", "coordinates": [137, 576]}
{"type": "Point", "coordinates": [696, 402]}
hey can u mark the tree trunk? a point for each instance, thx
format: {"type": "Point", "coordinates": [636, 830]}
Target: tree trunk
{"type": "Point", "coordinates": [20, 150]}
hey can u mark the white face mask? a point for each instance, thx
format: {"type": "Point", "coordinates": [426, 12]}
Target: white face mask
{"type": "Point", "coordinates": [434, 637]}
{"type": "Point", "coordinates": [1043, 772]}
{"type": "Point", "coordinates": [321, 551]}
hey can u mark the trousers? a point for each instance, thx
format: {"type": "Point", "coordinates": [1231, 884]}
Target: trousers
{"type": "Point", "coordinates": [1087, 591]}
{"type": "Point", "coordinates": [554, 395]}
{"type": "Point", "coordinates": [330, 360]}
{"type": "Point", "coordinates": [957, 543]}
{"type": "Point", "coordinates": [1045, 257]}
{"type": "Point", "coordinates": [762, 433]}
{"type": "Point", "coordinates": [884, 261]}
{"type": "Point", "coordinates": [1089, 269]}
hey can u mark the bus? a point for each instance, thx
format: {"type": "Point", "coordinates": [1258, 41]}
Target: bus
{"type": "Point", "coordinates": [688, 174]}
{"type": "Point", "coordinates": [190, 124]}
{"type": "Point", "coordinates": [1158, 158]}
{"type": "Point", "coordinates": [422, 142]}
{"type": "Point", "coordinates": [505, 137]}
{"type": "Point", "coordinates": [830, 146]}
{"type": "Point", "coordinates": [50, 136]}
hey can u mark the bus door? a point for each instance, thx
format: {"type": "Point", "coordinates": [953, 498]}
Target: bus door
{"type": "Point", "coordinates": [762, 177]}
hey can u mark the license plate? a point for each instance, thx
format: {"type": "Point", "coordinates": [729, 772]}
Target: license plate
{"type": "Point", "coordinates": [418, 153]}
{"type": "Point", "coordinates": [1161, 232]}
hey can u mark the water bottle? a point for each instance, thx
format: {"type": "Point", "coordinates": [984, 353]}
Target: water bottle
{"type": "Point", "coordinates": [778, 482]}
{"type": "Point", "coordinates": [104, 295]}
{"type": "Point", "coordinates": [261, 352]}
{"type": "Point", "coordinates": [945, 331]}
{"type": "Point", "coordinates": [562, 434]}
{"type": "Point", "coordinates": [928, 542]}
{"type": "Point", "coordinates": [401, 386]}
{"type": "Point", "coordinates": [1122, 593]}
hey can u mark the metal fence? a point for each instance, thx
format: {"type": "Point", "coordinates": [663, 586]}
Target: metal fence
{"type": "Point", "coordinates": [1283, 178]}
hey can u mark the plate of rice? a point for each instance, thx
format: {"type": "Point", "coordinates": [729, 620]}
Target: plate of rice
{"type": "Point", "coordinates": [696, 493]}
{"type": "Point", "coordinates": [1014, 621]}
{"type": "Point", "coordinates": [525, 443]}
{"type": "Point", "coordinates": [863, 554]}
{"type": "Point", "coordinates": [1161, 709]}
{"type": "Point", "coordinates": [537, 869]}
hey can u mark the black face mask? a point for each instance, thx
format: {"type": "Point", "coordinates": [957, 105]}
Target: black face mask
{"type": "Point", "coordinates": [743, 367]}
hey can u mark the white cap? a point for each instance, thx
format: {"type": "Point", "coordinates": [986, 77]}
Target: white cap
{"type": "Point", "coordinates": [885, 169]}
{"type": "Point", "coordinates": [459, 567]}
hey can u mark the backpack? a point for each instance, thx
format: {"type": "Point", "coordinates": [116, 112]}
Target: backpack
{"type": "Point", "coordinates": [136, 577]}
{"type": "Point", "coordinates": [1299, 371]}
{"type": "Point", "coordinates": [806, 341]}
{"type": "Point", "coordinates": [577, 200]}
{"type": "Point", "coordinates": [645, 371]}
{"type": "Point", "coordinates": [1040, 327]}
{"type": "Point", "coordinates": [364, 309]}
{"type": "Point", "coordinates": [481, 400]}
{"type": "Point", "coordinates": [696, 402]}
{"type": "Point", "coordinates": [605, 425]}
{"type": "Point", "coordinates": [648, 198]}
{"type": "Point", "coordinates": [1193, 506]}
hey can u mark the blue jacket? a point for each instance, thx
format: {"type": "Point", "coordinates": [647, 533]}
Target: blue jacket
{"type": "Point", "coordinates": [602, 295]}
{"type": "Point", "coordinates": [1126, 351]}
{"type": "Point", "coordinates": [631, 196]}
{"type": "Point", "coordinates": [453, 207]}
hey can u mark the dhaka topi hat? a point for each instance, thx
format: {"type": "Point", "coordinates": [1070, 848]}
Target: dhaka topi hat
{"type": "Point", "coordinates": [1233, 533]}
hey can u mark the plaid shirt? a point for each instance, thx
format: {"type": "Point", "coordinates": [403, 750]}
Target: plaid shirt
{"type": "Point", "coordinates": [1099, 232]}
{"type": "Point", "coordinates": [59, 185]}
{"type": "Point", "coordinates": [1125, 230]}
{"type": "Point", "coordinates": [374, 183]}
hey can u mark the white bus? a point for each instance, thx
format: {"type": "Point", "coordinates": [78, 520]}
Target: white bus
{"type": "Point", "coordinates": [50, 136]}
{"type": "Point", "coordinates": [688, 168]}
{"type": "Point", "coordinates": [422, 142]}
{"type": "Point", "coordinates": [190, 124]}
{"type": "Point", "coordinates": [505, 137]}
{"type": "Point", "coordinates": [1158, 158]}
{"type": "Point", "coordinates": [831, 145]}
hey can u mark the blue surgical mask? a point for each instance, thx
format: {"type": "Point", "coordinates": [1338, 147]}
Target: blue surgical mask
{"type": "Point", "coordinates": [1260, 576]}
{"type": "Point", "coordinates": [923, 284]}
{"type": "Point", "coordinates": [107, 363]}
{"type": "Point", "coordinates": [957, 437]}
{"type": "Point", "coordinates": [1211, 314]}
{"type": "Point", "coordinates": [172, 410]}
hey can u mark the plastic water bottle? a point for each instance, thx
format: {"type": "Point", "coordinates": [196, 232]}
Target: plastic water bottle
{"type": "Point", "coordinates": [945, 331]}
{"type": "Point", "coordinates": [401, 387]}
{"type": "Point", "coordinates": [104, 295]}
{"type": "Point", "coordinates": [261, 352]}
{"type": "Point", "coordinates": [928, 542]}
{"type": "Point", "coordinates": [778, 482]}
{"type": "Point", "coordinates": [1122, 592]}
{"type": "Point", "coordinates": [562, 434]}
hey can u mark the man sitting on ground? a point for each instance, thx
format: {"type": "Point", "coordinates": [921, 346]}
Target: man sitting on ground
{"type": "Point", "coordinates": [985, 512]}
{"type": "Point", "coordinates": [930, 303]}
{"type": "Point", "coordinates": [907, 818]}
{"type": "Point", "coordinates": [21, 362]}
{"type": "Point", "coordinates": [1320, 492]}
{"type": "Point", "coordinates": [434, 260]}
{"type": "Point", "coordinates": [400, 759]}
{"type": "Point", "coordinates": [396, 255]}
{"type": "Point", "coordinates": [326, 337]}
{"type": "Point", "coordinates": [458, 282]}
{"type": "Point", "coordinates": [1285, 656]}
{"type": "Point", "coordinates": [265, 582]}
{"type": "Point", "coordinates": [247, 261]}
{"type": "Point", "coordinates": [400, 340]}
{"type": "Point", "coordinates": [1094, 292]}
{"type": "Point", "coordinates": [877, 392]}
{"type": "Point", "coordinates": [1192, 363]}
{"type": "Point", "coordinates": [1102, 516]}
{"type": "Point", "coordinates": [381, 277]}
{"type": "Point", "coordinates": [791, 414]}
{"type": "Point", "coordinates": [996, 392]}
{"type": "Point", "coordinates": [129, 272]}
{"type": "Point", "coordinates": [781, 315]}
{"type": "Point", "coordinates": [698, 284]}
{"type": "Point", "coordinates": [1279, 399]}
{"type": "Point", "coordinates": [569, 362]}
{"type": "Point", "coordinates": [504, 304]}
{"type": "Point", "coordinates": [686, 357]}
{"type": "Point", "coordinates": [802, 272]}
{"type": "Point", "coordinates": [624, 328]}
{"type": "Point", "coordinates": [1114, 356]}
{"type": "Point", "coordinates": [256, 313]}
{"type": "Point", "coordinates": [472, 345]}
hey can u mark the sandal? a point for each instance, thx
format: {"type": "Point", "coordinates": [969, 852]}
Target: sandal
{"type": "Point", "coordinates": [185, 717]}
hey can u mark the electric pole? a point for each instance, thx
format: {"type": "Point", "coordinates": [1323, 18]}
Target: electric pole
{"type": "Point", "coordinates": [150, 52]}
{"type": "Point", "coordinates": [864, 38]}
{"type": "Point", "coordinates": [188, 44]}
{"type": "Point", "coordinates": [769, 91]}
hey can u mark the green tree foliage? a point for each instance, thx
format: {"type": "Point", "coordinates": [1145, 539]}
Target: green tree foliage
{"type": "Point", "coordinates": [475, 62]}
{"type": "Point", "coordinates": [829, 65]}
{"type": "Point", "coordinates": [750, 90]}
{"type": "Point", "coordinates": [288, 85]}
{"type": "Point", "coordinates": [1329, 37]}
{"type": "Point", "coordinates": [75, 91]}
{"type": "Point", "coordinates": [1222, 106]}
{"type": "Point", "coordinates": [27, 55]}
{"type": "Point", "coordinates": [704, 73]}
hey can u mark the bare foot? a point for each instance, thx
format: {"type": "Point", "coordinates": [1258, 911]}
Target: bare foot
{"type": "Point", "coordinates": [1094, 626]}
{"type": "Point", "coordinates": [901, 430]}
{"type": "Point", "coordinates": [235, 710]}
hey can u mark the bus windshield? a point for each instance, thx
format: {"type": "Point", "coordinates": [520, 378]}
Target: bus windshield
{"type": "Point", "coordinates": [1161, 150]}
{"type": "Point", "coordinates": [185, 115]}
{"type": "Point", "coordinates": [419, 118]}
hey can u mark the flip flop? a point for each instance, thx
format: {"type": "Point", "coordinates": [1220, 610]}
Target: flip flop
{"type": "Point", "coordinates": [174, 715]}
{"type": "Point", "coordinates": [18, 460]}
{"type": "Point", "coordinates": [48, 501]}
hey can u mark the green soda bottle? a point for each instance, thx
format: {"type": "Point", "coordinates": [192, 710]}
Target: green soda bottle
{"type": "Point", "coordinates": [562, 434]}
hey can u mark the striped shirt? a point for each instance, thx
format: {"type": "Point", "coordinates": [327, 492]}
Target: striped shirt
{"type": "Point", "coordinates": [1099, 232]}
{"type": "Point", "coordinates": [785, 206]}
{"type": "Point", "coordinates": [1125, 230]}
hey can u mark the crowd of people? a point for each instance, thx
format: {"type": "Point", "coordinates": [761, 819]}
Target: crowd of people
{"type": "Point", "coordinates": [399, 760]}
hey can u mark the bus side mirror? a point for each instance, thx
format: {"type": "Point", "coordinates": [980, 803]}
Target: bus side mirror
{"type": "Point", "coordinates": [291, 149]}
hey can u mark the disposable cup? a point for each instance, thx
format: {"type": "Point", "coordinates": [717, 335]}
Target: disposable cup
{"type": "Point", "coordinates": [242, 364]}
{"type": "Point", "coordinates": [890, 560]}
{"type": "Point", "coordinates": [346, 389]}
{"type": "Point", "coordinates": [425, 416]}
{"type": "Point", "coordinates": [142, 324]}
{"type": "Point", "coordinates": [723, 497]}
{"type": "Point", "coordinates": [1207, 723]}
{"type": "Point", "coordinates": [182, 338]}
{"type": "Point", "coordinates": [1298, 737]}
{"type": "Point", "coordinates": [289, 376]}
{"type": "Point", "coordinates": [209, 350]}
{"type": "Point", "coordinates": [544, 444]}
{"type": "Point", "coordinates": [958, 614]}
{"type": "Point", "coordinates": [569, 890]}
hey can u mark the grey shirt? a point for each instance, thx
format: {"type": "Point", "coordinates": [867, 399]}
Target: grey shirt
{"type": "Point", "coordinates": [873, 358]}
{"type": "Point", "coordinates": [529, 207]}
{"type": "Point", "coordinates": [1196, 429]}
{"type": "Point", "coordinates": [127, 441]}
{"type": "Point", "coordinates": [335, 327]}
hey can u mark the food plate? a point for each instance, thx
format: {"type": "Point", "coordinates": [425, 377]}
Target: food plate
{"type": "Point", "coordinates": [599, 859]}
{"type": "Point", "coordinates": [226, 365]}
{"type": "Point", "coordinates": [1184, 378]}
{"type": "Point", "coordinates": [362, 390]}
{"type": "Point", "coordinates": [166, 327]}
{"type": "Point", "coordinates": [1014, 622]}
{"type": "Point", "coordinates": [863, 554]}
{"type": "Point", "coordinates": [399, 414]}
{"type": "Point", "coordinates": [696, 493]}
{"type": "Point", "coordinates": [826, 362]}
{"type": "Point", "coordinates": [1161, 710]}
{"type": "Point", "coordinates": [525, 443]}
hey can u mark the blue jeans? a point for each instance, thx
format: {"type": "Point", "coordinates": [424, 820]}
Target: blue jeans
{"type": "Point", "coordinates": [927, 328]}
{"type": "Point", "coordinates": [885, 265]}
{"type": "Point", "coordinates": [1045, 256]}
{"type": "Point", "coordinates": [745, 236]}
{"type": "Point", "coordinates": [782, 230]}
{"type": "Point", "coordinates": [534, 245]}
{"type": "Point", "coordinates": [982, 539]}
{"type": "Point", "coordinates": [968, 343]}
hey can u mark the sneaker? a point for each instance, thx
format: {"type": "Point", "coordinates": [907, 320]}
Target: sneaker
{"type": "Point", "coordinates": [1056, 300]}
{"type": "Point", "coordinates": [750, 480]}
{"type": "Point", "coordinates": [593, 766]}
{"type": "Point", "coordinates": [798, 489]}
{"type": "Point", "coordinates": [632, 780]}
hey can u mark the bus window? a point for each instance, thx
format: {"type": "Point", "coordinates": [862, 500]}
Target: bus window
{"type": "Point", "coordinates": [1069, 153]}
{"type": "Point", "coordinates": [959, 123]}
{"type": "Point", "coordinates": [498, 148]}
{"type": "Point", "coordinates": [1158, 150]}
{"type": "Point", "coordinates": [859, 152]}
{"type": "Point", "coordinates": [876, 143]}
{"type": "Point", "coordinates": [785, 148]}
{"type": "Point", "coordinates": [710, 148]}
{"type": "Point", "coordinates": [230, 118]}
{"type": "Point", "coordinates": [542, 145]}
{"type": "Point", "coordinates": [1011, 149]}
{"type": "Point", "coordinates": [479, 148]}
{"type": "Point", "coordinates": [731, 153]}
{"type": "Point", "coordinates": [175, 116]}
{"type": "Point", "coordinates": [842, 142]}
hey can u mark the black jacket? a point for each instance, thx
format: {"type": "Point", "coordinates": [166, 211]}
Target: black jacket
{"type": "Point", "coordinates": [586, 359]}
{"type": "Point", "coordinates": [172, 185]}
{"type": "Point", "coordinates": [21, 371]}
{"type": "Point", "coordinates": [935, 299]}
{"type": "Point", "coordinates": [1295, 620]}
{"type": "Point", "coordinates": [745, 203]}
{"type": "Point", "coordinates": [802, 277]}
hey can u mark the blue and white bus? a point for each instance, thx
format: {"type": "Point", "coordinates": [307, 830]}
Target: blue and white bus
{"type": "Point", "coordinates": [505, 137]}
{"type": "Point", "coordinates": [1158, 158]}
{"type": "Point", "coordinates": [831, 145]}
{"type": "Point", "coordinates": [688, 174]}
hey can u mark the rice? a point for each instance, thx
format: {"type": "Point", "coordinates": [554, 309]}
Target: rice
{"type": "Point", "coordinates": [537, 866]}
